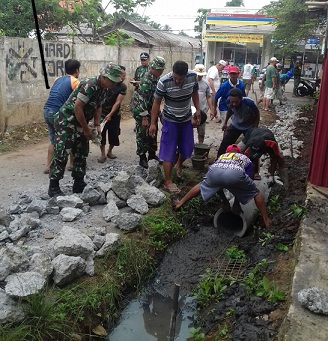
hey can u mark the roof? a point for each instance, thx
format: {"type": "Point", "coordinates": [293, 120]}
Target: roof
{"type": "Point", "coordinates": [151, 36]}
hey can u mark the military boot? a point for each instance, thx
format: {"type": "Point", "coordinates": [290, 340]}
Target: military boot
{"type": "Point", "coordinates": [54, 189]}
{"type": "Point", "coordinates": [79, 184]}
{"type": "Point", "coordinates": [143, 161]}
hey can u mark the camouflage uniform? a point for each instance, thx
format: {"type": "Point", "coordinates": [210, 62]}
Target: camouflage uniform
{"type": "Point", "coordinates": [69, 135]}
{"type": "Point", "coordinates": [140, 72]}
{"type": "Point", "coordinates": [143, 98]}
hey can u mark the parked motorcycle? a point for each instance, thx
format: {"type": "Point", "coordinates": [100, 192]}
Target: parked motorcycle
{"type": "Point", "coordinates": [307, 87]}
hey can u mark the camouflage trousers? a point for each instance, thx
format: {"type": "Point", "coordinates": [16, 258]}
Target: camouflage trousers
{"type": "Point", "coordinates": [68, 138]}
{"type": "Point", "coordinates": [145, 143]}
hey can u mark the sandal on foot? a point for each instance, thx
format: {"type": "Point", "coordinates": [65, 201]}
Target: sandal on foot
{"type": "Point", "coordinates": [257, 176]}
{"type": "Point", "coordinates": [172, 188]}
{"type": "Point", "coordinates": [111, 156]}
{"type": "Point", "coordinates": [102, 159]}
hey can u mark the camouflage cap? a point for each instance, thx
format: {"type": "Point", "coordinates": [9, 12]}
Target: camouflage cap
{"type": "Point", "coordinates": [112, 72]}
{"type": "Point", "coordinates": [158, 63]}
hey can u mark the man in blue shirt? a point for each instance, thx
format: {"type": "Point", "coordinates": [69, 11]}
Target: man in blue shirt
{"type": "Point", "coordinates": [58, 95]}
{"type": "Point", "coordinates": [244, 115]}
{"type": "Point", "coordinates": [223, 91]}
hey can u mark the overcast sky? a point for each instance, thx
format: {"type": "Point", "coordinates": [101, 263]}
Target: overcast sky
{"type": "Point", "coordinates": [180, 14]}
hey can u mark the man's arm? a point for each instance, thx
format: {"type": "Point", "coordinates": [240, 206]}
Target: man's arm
{"type": "Point", "coordinates": [116, 105]}
{"type": "Point", "coordinates": [195, 99]}
{"type": "Point", "coordinates": [154, 115]}
{"type": "Point", "coordinates": [211, 83]}
{"type": "Point", "coordinates": [79, 114]}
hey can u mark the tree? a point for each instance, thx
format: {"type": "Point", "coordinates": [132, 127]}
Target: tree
{"type": "Point", "coordinates": [199, 20]}
{"type": "Point", "coordinates": [294, 23]}
{"type": "Point", "coordinates": [16, 17]}
{"type": "Point", "coordinates": [235, 3]}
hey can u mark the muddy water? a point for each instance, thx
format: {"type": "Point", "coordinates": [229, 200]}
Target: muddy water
{"type": "Point", "coordinates": [150, 321]}
{"type": "Point", "coordinates": [148, 317]}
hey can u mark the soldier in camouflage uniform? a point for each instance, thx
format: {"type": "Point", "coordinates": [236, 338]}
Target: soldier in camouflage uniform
{"type": "Point", "coordinates": [141, 69]}
{"type": "Point", "coordinates": [142, 102]}
{"type": "Point", "coordinates": [72, 132]}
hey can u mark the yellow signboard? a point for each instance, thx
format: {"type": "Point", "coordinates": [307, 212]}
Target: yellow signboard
{"type": "Point", "coordinates": [234, 37]}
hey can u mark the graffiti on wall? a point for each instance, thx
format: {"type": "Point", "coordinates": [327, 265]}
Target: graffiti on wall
{"type": "Point", "coordinates": [22, 62]}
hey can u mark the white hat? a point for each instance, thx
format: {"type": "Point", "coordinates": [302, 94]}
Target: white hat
{"type": "Point", "coordinates": [200, 70]}
{"type": "Point", "coordinates": [274, 59]}
{"type": "Point", "coordinates": [222, 62]}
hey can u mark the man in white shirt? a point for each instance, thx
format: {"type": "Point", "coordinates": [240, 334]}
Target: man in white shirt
{"type": "Point", "coordinates": [248, 75]}
{"type": "Point", "coordinates": [213, 78]}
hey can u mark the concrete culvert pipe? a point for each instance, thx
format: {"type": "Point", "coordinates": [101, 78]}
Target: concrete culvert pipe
{"type": "Point", "coordinates": [239, 224]}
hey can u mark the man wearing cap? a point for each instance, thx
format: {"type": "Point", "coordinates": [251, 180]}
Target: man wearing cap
{"type": "Point", "coordinates": [176, 88]}
{"type": "Point", "coordinates": [224, 90]}
{"type": "Point", "coordinates": [297, 73]}
{"type": "Point", "coordinates": [72, 132]}
{"type": "Point", "coordinates": [142, 102]}
{"type": "Point", "coordinates": [213, 75]}
{"type": "Point", "coordinates": [244, 115]}
{"type": "Point", "coordinates": [231, 171]}
{"type": "Point", "coordinates": [259, 141]}
{"type": "Point", "coordinates": [141, 69]}
{"type": "Point", "coordinates": [205, 99]}
{"type": "Point", "coordinates": [270, 83]}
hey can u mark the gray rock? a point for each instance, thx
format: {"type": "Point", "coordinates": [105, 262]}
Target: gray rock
{"type": "Point", "coordinates": [99, 241]}
{"type": "Point", "coordinates": [5, 218]}
{"type": "Point", "coordinates": [10, 312]}
{"type": "Point", "coordinates": [72, 242]}
{"type": "Point", "coordinates": [105, 186]}
{"type": "Point", "coordinates": [39, 206]}
{"type": "Point", "coordinates": [138, 203]}
{"type": "Point", "coordinates": [67, 268]}
{"type": "Point", "coordinates": [90, 195]}
{"type": "Point", "coordinates": [152, 195]}
{"type": "Point", "coordinates": [123, 186]}
{"type": "Point", "coordinates": [41, 263]}
{"type": "Point", "coordinates": [111, 196]}
{"type": "Point", "coordinates": [4, 235]}
{"type": "Point", "coordinates": [69, 201]}
{"type": "Point", "coordinates": [154, 174]}
{"type": "Point", "coordinates": [314, 299]}
{"type": "Point", "coordinates": [70, 213]}
{"type": "Point", "coordinates": [127, 221]}
{"type": "Point", "coordinates": [111, 242]}
{"type": "Point", "coordinates": [23, 284]}
{"type": "Point", "coordinates": [110, 211]}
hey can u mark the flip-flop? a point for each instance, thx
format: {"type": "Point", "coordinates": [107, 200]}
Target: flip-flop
{"type": "Point", "coordinates": [111, 156]}
{"type": "Point", "coordinates": [102, 159]}
{"type": "Point", "coordinates": [172, 188]}
{"type": "Point", "coordinates": [257, 176]}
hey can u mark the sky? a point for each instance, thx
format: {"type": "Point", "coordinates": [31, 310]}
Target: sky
{"type": "Point", "coordinates": [180, 14]}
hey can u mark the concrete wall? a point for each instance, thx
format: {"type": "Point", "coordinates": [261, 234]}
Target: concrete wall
{"type": "Point", "coordinates": [22, 86]}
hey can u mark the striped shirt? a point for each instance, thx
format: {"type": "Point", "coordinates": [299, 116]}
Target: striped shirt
{"type": "Point", "coordinates": [177, 98]}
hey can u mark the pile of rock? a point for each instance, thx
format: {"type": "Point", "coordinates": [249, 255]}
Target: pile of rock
{"type": "Point", "coordinates": [26, 269]}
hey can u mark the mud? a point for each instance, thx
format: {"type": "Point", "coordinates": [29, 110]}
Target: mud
{"type": "Point", "coordinates": [254, 318]}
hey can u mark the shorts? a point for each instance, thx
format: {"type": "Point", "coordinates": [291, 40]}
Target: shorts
{"type": "Point", "coordinates": [49, 119]}
{"type": "Point", "coordinates": [113, 130]}
{"type": "Point", "coordinates": [268, 93]}
{"type": "Point", "coordinates": [247, 83]}
{"type": "Point", "coordinates": [176, 135]}
{"type": "Point", "coordinates": [235, 181]}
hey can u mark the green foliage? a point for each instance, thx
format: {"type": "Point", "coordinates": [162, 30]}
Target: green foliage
{"type": "Point", "coordinates": [133, 263]}
{"type": "Point", "coordinates": [118, 38]}
{"type": "Point", "coordinates": [235, 3]}
{"type": "Point", "coordinates": [15, 332]}
{"type": "Point", "coordinates": [274, 205]}
{"type": "Point", "coordinates": [195, 334]}
{"type": "Point", "coordinates": [294, 23]}
{"type": "Point", "coordinates": [162, 227]}
{"type": "Point", "coordinates": [200, 19]}
{"type": "Point", "coordinates": [233, 253]}
{"type": "Point", "coordinates": [211, 288]}
{"type": "Point", "coordinates": [297, 211]}
{"type": "Point", "coordinates": [281, 247]}
{"type": "Point", "coordinates": [50, 17]}
{"type": "Point", "coordinates": [267, 236]}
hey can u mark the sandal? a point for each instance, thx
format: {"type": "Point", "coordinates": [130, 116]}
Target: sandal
{"type": "Point", "coordinates": [257, 176]}
{"type": "Point", "coordinates": [102, 159]}
{"type": "Point", "coordinates": [111, 156]}
{"type": "Point", "coordinates": [172, 188]}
